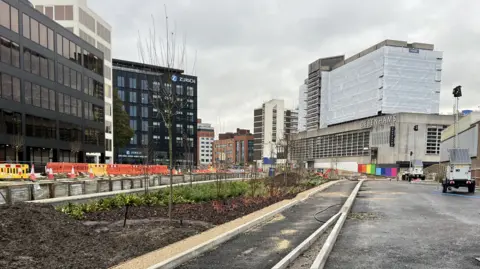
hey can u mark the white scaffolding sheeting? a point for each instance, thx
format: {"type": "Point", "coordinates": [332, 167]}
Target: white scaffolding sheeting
{"type": "Point", "coordinates": [390, 80]}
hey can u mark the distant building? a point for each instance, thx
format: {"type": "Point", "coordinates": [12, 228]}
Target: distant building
{"type": "Point", "coordinates": [387, 78]}
{"type": "Point", "coordinates": [233, 148]}
{"type": "Point", "coordinates": [302, 107]}
{"type": "Point", "coordinates": [272, 122]}
{"type": "Point", "coordinates": [205, 137]}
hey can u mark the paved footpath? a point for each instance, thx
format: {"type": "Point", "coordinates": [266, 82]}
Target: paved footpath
{"type": "Point", "coordinates": [265, 245]}
{"type": "Point", "coordinates": [401, 225]}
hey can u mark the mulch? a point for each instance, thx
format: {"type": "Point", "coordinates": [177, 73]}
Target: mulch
{"type": "Point", "coordinates": [38, 236]}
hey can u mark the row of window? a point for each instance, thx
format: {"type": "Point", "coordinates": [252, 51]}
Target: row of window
{"type": "Point", "coordinates": [38, 32]}
{"type": "Point", "coordinates": [69, 77]}
{"type": "Point", "coordinates": [72, 51]}
{"type": "Point", "coordinates": [9, 52]}
{"type": "Point", "coordinates": [38, 64]}
{"type": "Point", "coordinates": [86, 19]}
{"type": "Point", "coordinates": [132, 84]}
{"type": "Point", "coordinates": [70, 105]}
{"type": "Point", "coordinates": [39, 96]}
{"type": "Point", "coordinates": [8, 16]}
{"type": "Point", "coordinates": [58, 13]}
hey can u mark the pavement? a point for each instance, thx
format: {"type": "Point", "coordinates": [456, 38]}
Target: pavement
{"type": "Point", "coordinates": [266, 244]}
{"type": "Point", "coordinates": [401, 225]}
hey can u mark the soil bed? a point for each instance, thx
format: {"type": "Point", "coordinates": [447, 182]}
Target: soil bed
{"type": "Point", "coordinates": [38, 236]}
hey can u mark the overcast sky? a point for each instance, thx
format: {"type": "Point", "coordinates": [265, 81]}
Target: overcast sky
{"type": "Point", "coordinates": [250, 51]}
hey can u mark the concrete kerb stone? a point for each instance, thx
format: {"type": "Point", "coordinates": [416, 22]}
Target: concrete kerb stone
{"type": "Point", "coordinates": [322, 256]}
{"type": "Point", "coordinates": [99, 195]}
{"type": "Point", "coordinates": [199, 249]}
{"type": "Point", "coordinates": [295, 253]}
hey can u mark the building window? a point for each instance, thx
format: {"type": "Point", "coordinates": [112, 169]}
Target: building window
{"type": "Point", "coordinates": [145, 126]}
{"type": "Point", "coordinates": [144, 139]}
{"type": "Point", "coordinates": [434, 134]}
{"type": "Point", "coordinates": [133, 97]}
{"type": "Point", "coordinates": [190, 91]}
{"type": "Point", "coordinates": [179, 128]}
{"type": "Point", "coordinates": [144, 84]}
{"type": "Point", "coordinates": [133, 111]}
{"type": "Point", "coordinates": [132, 83]}
{"type": "Point", "coordinates": [108, 109]}
{"type": "Point", "coordinates": [133, 140]}
{"type": "Point", "coordinates": [144, 98]}
{"type": "Point", "coordinates": [120, 81]}
{"type": "Point", "coordinates": [103, 32]}
{"type": "Point", "coordinates": [179, 89]}
{"type": "Point", "coordinates": [8, 16]}
{"type": "Point", "coordinates": [121, 95]}
{"type": "Point", "coordinates": [144, 112]}
{"type": "Point", "coordinates": [9, 52]}
{"type": "Point", "coordinates": [86, 20]}
{"type": "Point", "coordinates": [133, 124]}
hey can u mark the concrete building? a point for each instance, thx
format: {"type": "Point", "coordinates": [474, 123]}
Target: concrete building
{"type": "Point", "coordinates": [233, 148]}
{"type": "Point", "coordinates": [205, 137]}
{"type": "Point", "coordinates": [77, 17]}
{"type": "Point", "coordinates": [302, 107]}
{"type": "Point", "coordinates": [468, 137]}
{"type": "Point", "coordinates": [272, 122]}
{"type": "Point", "coordinates": [381, 141]}
{"type": "Point", "coordinates": [387, 78]}
{"type": "Point", "coordinates": [51, 85]}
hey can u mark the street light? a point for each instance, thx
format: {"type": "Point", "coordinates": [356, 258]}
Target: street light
{"type": "Point", "coordinates": [457, 93]}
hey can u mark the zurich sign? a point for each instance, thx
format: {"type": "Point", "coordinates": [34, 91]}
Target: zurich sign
{"type": "Point", "coordinates": [174, 78]}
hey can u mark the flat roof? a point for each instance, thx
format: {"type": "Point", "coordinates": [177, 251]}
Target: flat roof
{"type": "Point", "coordinates": [144, 67]}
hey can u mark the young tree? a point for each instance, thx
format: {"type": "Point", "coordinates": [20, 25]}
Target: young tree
{"type": "Point", "coordinates": [165, 99]}
{"type": "Point", "coordinates": [122, 133]}
{"type": "Point", "coordinates": [17, 142]}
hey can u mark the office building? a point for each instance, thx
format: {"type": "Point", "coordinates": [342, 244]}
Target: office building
{"type": "Point", "coordinates": [388, 78]}
{"type": "Point", "coordinates": [52, 89]}
{"type": "Point", "coordinates": [314, 89]}
{"type": "Point", "coordinates": [77, 17]}
{"type": "Point", "coordinates": [385, 142]}
{"type": "Point", "coordinates": [136, 88]}
{"type": "Point", "coordinates": [233, 148]}
{"type": "Point", "coordinates": [272, 122]}
{"type": "Point", "coordinates": [205, 137]}
{"type": "Point", "coordinates": [302, 107]}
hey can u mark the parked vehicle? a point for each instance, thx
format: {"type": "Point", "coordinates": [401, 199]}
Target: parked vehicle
{"type": "Point", "coordinates": [415, 171]}
{"type": "Point", "coordinates": [459, 171]}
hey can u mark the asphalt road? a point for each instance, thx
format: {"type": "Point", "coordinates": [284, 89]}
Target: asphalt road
{"type": "Point", "coordinates": [265, 245]}
{"type": "Point", "coordinates": [401, 225]}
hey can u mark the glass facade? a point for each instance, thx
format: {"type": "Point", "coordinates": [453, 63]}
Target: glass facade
{"type": "Point", "coordinates": [51, 89]}
{"type": "Point", "coordinates": [138, 87]}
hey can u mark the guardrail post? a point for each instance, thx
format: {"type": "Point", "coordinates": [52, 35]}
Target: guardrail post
{"type": "Point", "coordinates": [51, 189]}
{"type": "Point", "coordinates": [69, 191]}
{"type": "Point", "coordinates": [31, 191]}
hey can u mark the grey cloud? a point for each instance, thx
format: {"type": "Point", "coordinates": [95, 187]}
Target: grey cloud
{"type": "Point", "coordinates": [250, 51]}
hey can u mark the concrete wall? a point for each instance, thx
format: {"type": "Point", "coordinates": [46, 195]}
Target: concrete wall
{"type": "Point", "coordinates": [47, 190]}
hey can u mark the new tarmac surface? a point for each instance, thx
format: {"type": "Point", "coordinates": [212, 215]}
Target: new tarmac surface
{"type": "Point", "coordinates": [266, 244]}
{"type": "Point", "coordinates": [401, 225]}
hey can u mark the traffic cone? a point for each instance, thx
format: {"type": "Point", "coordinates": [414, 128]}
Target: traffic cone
{"type": "Point", "coordinates": [32, 173]}
{"type": "Point", "coordinates": [50, 173]}
{"type": "Point", "coordinates": [72, 174]}
{"type": "Point", "coordinates": [90, 173]}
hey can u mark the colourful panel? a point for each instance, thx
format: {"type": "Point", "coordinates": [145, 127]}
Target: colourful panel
{"type": "Point", "coordinates": [384, 171]}
{"type": "Point", "coordinates": [373, 169]}
{"type": "Point", "coordinates": [388, 172]}
{"type": "Point", "coordinates": [394, 172]}
{"type": "Point", "coordinates": [359, 168]}
{"type": "Point", "coordinates": [378, 172]}
{"type": "Point", "coordinates": [369, 167]}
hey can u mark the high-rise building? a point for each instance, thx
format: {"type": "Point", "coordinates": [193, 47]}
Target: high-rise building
{"type": "Point", "coordinates": [314, 97]}
{"type": "Point", "coordinates": [51, 85]}
{"type": "Point", "coordinates": [205, 137]}
{"type": "Point", "coordinates": [136, 88]}
{"type": "Point", "coordinates": [387, 78]}
{"type": "Point", "coordinates": [272, 122]}
{"type": "Point", "coordinates": [302, 107]}
{"type": "Point", "coordinates": [77, 17]}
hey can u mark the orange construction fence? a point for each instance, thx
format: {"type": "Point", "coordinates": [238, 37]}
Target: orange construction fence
{"type": "Point", "coordinates": [111, 169]}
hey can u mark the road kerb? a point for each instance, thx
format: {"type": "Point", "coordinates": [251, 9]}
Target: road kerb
{"type": "Point", "coordinates": [293, 255]}
{"type": "Point", "coordinates": [195, 246]}
{"type": "Point", "coordinates": [322, 256]}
